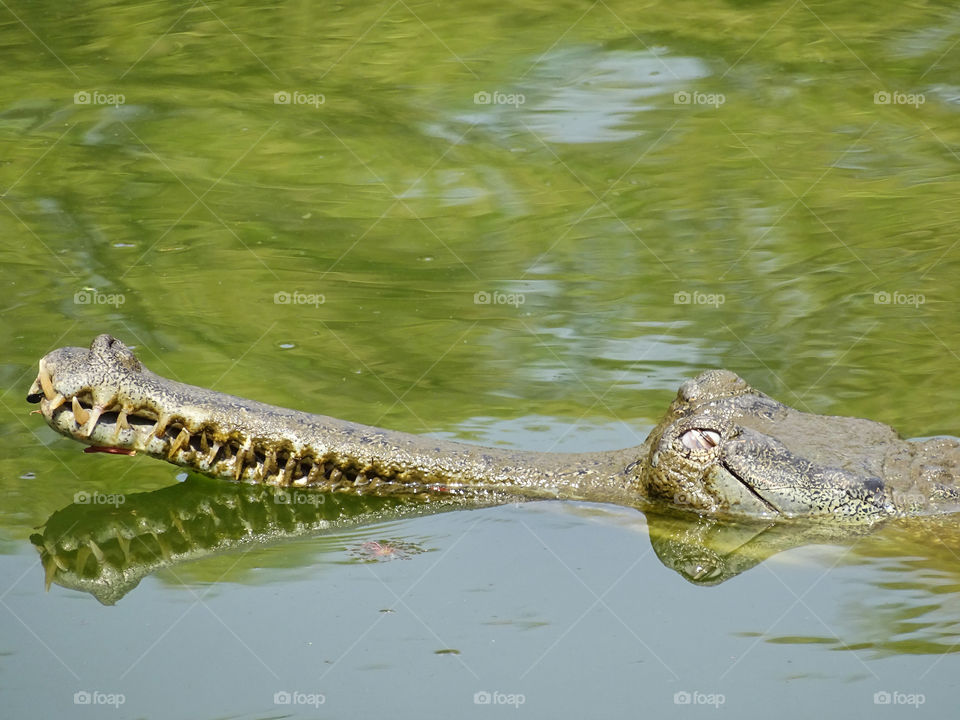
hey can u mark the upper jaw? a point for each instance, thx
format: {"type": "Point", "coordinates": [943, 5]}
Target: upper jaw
{"type": "Point", "coordinates": [69, 384]}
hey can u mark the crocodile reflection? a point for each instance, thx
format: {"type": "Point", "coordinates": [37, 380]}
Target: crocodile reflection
{"type": "Point", "coordinates": [107, 549]}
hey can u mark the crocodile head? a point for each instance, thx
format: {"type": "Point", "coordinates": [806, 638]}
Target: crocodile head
{"type": "Point", "coordinates": [724, 448]}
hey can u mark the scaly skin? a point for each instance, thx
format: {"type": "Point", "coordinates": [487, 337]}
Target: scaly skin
{"type": "Point", "coordinates": [723, 448]}
{"type": "Point", "coordinates": [104, 397]}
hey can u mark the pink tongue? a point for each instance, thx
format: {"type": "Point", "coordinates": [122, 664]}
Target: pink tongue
{"type": "Point", "coordinates": [113, 450]}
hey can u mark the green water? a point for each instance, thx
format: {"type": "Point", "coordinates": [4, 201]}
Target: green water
{"type": "Point", "coordinates": [639, 191]}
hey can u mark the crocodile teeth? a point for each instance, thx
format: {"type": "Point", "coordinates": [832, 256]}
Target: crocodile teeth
{"type": "Point", "coordinates": [697, 439]}
{"type": "Point", "coordinates": [182, 439]}
{"type": "Point", "coordinates": [49, 570]}
{"type": "Point", "coordinates": [121, 424]}
{"type": "Point", "coordinates": [46, 383]}
{"type": "Point", "coordinates": [211, 456]}
{"type": "Point", "coordinates": [269, 462]}
{"type": "Point", "coordinates": [238, 462]}
{"type": "Point", "coordinates": [161, 425]}
{"type": "Point", "coordinates": [56, 402]}
{"type": "Point", "coordinates": [94, 415]}
{"type": "Point", "coordinates": [288, 470]}
{"type": "Point", "coordinates": [79, 414]}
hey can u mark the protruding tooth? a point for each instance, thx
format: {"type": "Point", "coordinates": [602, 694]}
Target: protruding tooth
{"type": "Point", "coordinates": [314, 473]}
{"type": "Point", "coordinates": [124, 542]}
{"type": "Point", "coordinates": [212, 455]}
{"type": "Point", "coordinates": [80, 559]}
{"type": "Point", "coordinates": [57, 401]}
{"type": "Point", "coordinates": [288, 469]}
{"type": "Point", "coordinates": [57, 559]}
{"type": "Point", "coordinates": [49, 571]}
{"type": "Point", "coordinates": [79, 414]}
{"type": "Point", "coordinates": [244, 454]}
{"type": "Point", "coordinates": [161, 426]}
{"type": "Point", "coordinates": [182, 439]}
{"type": "Point", "coordinates": [46, 383]}
{"type": "Point", "coordinates": [269, 463]}
{"type": "Point", "coordinates": [95, 412]}
{"type": "Point", "coordinates": [97, 552]}
{"type": "Point", "coordinates": [121, 423]}
{"type": "Point", "coordinates": [238, 462]}
{"type": "Point", "coordinates": [204, 445]}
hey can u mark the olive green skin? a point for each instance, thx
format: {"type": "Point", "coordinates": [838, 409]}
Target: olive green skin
{"type": "Point", "coordinates": [723, 449]}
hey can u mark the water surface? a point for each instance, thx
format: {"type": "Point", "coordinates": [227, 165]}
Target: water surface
{"type": "Point", "coordinates": [518, 225]}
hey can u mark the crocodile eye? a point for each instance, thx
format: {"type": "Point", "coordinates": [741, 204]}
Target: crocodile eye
{"type": "Point", "coordinates": [698, 439]}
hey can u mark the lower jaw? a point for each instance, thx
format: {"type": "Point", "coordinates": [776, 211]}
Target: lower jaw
{"type": "Point", "coordinates": [247, 462]}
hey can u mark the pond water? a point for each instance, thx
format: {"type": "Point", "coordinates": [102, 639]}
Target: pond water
{"type": "Point", "coordinates": [517, 225]}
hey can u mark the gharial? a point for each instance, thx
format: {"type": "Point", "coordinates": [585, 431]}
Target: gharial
{"type": "Point", "coordinates": [722, 449]}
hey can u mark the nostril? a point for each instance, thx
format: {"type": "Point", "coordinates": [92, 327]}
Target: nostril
{"type": "Point", "coordinates": [34, 397]}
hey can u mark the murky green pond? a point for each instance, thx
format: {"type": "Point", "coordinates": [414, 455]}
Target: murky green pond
{"type": "Point", "coordinates": [519, 224]}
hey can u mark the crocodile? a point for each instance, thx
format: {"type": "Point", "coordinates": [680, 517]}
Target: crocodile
{"type": "Point", "coordinates": [723, 449]}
